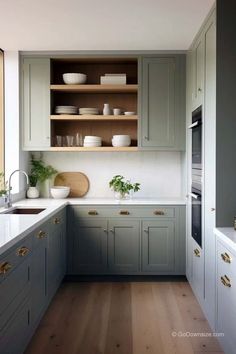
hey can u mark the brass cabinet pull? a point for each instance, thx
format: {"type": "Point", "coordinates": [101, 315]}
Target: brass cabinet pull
{"type": "Point", "coordinates": [124, 212]}
{"type": "Point", "coordinates": [146, 230]}
{"type": "Point", "coordinates": [105, 230]}
{"type": "Point", "coordinates": [41, 234]}
{"type": "Point", "coordinates": [225, 281]}
{"type": "Point", "coordinates": [158, 212]}
{"type": "Point", "coordinates": [5, 267]}
{"type": "Point", "coordinates": [197, 252]}
{"type": "Point", "coordinates": [112, 230]}
{"type": "Point", "coordinates": [226, 258]}
{"type": "Point", "coordinates": [23, 251]}
{"type": "Point", "coordinates": [56, 221]}
{"type": "Point", "coordinates": [92, 212]}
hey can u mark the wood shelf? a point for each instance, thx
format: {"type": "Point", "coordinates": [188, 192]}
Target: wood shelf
{"type": "Point", "coordinates": [98, 149]}
{"type": "Point", "coordinates": [95, 88]}
{"type": "Point", "coordinates": [93, 117]}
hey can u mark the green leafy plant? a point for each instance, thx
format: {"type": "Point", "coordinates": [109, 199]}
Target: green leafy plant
{"type": "Point", "coordinates": [39, 171]}
{"type": "Point", "coordinates": [3, 185]}
{"type": "Point", "coordinates": [122, 186]}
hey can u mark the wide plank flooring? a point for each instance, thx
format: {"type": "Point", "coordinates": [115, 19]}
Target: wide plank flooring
{"type": "Point", "coordinates": [123, 318]}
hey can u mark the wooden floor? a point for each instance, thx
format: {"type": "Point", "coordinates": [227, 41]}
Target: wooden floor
{"type": "Point", "coordinates": [123, 318]}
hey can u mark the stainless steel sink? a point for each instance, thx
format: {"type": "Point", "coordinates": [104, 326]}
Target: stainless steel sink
{"type": "Point", "coordinates": [24, 211]}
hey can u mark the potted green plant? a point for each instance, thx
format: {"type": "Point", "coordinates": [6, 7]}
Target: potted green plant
{"type": "Point", "coordinates": [123, 188]}
{"type": "Point", "coordinates": [3, 186]}
{"type": "Point", "coordinates": [40, 173]}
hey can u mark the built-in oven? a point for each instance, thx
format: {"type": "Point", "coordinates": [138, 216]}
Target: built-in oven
{"type": "Point", "coordinates": [196, 128]}
{"type": "Point", "coordinates": [196, 202]}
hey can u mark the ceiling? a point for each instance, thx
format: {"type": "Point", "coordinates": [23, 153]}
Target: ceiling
{"type": "Point", "coordinates": [100, 24]}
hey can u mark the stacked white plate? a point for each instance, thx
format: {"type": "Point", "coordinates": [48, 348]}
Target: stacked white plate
{"type": "Point", "coordinates": [92, 141]}
{"type": "Point", "coordinates": [66, 110]}
{"type": "Point", "coordinates": [121, 140]}
{"type": "Point", "coordinates": [88, 111]}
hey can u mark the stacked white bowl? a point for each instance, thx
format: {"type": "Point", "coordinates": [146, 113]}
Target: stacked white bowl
{"type": "Point", "coordinates": [92, 141]}
{"type": "Point", "coordinates": [74, 78]}
{"type": "Point", "coordinates": [66, 110]}
{"type": "Point", "coordinates": [121, 140]}
{"type": "Point", "coordinates": [88, 111]}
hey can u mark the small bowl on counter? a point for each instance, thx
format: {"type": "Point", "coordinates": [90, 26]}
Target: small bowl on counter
{"type": "Point", "coordinates": [60, 192]}
{"type": "Point", "coordinates": [74, 78]}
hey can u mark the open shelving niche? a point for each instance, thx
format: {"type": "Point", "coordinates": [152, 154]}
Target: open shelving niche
{"type": "Point", "coordinates": [92, 94]}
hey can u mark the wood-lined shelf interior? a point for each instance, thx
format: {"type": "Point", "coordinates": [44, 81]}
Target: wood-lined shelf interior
{"type": "Point", "coordinates": [92, 94]}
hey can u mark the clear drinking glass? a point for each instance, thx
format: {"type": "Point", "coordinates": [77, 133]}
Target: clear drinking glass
{"type": "Point", "coordinates": [78, 140]}
{"type": "Point", "coordinates": [58, 140]}
{"type": "Point", "coordinates": [69, 140]}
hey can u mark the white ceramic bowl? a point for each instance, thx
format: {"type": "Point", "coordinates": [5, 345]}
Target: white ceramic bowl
{"type": "Point", "coordinates": [74, 78]}
{"type": "Point", "coordinates": [92, 144]}
{"type": "Point", "coordinates": [129, 113]}
{"type": "Point", "coordinates": [59, 192]}
{"type": "Point", "coordinates": [120, 143]}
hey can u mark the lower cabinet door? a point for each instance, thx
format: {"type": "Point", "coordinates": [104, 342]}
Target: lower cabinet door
{"type": "Point", "coordinates": [198, 271]}
{"type": "Point", "coordinates": [54, 259]}
{"type": "Point", "coordinates": [123, 246]}
{"type": "Point", "coordinates": [158, 246]}
{"type": "Point", "coordinates": [90, 246]}
{"type": "Point", "coordinates": [15, 336]}
{"type": "Point", "coordinates": [38, 284]}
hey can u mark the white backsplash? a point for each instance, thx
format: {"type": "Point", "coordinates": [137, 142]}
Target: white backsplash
{"type": "Point", "coordinates": [160, 173]}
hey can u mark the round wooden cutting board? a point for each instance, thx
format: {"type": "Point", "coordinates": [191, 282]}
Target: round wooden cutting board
{"type": "Point", "coordinates": [77, 181]}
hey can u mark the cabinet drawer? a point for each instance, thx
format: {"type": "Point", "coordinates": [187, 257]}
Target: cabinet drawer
{"type": "Point", "coordinates": [125, 211]}
{"type": "Point", "coordinates": [17, 255]}
{"type": "Point", "coordinates": [13, 290]}
{"type": "Point", "coordinates": [40, 234]}
{"type": "Point", "coordinates": [57, 220]}
{"type": "Point", "coordinates": [225, 261]}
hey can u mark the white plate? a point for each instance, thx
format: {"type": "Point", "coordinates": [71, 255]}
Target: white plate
{"type": "Point", "coordinates": [129, 113]}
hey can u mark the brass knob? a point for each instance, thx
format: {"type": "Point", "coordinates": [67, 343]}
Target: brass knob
{"type": "Point", "coordinates": [225, 281]}
{"type": "Point", "coordinates": [41, 234]}
{"type": "Point", "coordinates": [23, 251]}
{"type": "Point", "coordinates": [226, 258]}
{"type": "Point", "coordinates": [56, 221]}
{"type": "Point", "coordinates": [104, 230]}
{"type": "Point", "coordinates": [212, 209]}
{"type": "Point", "coordinates": [197, 252]}
{"type": "Point", "coordinates": [158, 212]}
{"type": "Point", "coordinates": [111, 230]}
{"type": "Point", "coordinates": [124, 212]}
{"type": "Point", "coordinates": [5, 267]}
{"type": "Point", "coordinates": [199, 89]}
{"type": "Point", "coordinates": [92, 212]}
{"type": "Point", "coordinates": [146, 230]}
{"type": "Point", "coordinates": [146, 137]}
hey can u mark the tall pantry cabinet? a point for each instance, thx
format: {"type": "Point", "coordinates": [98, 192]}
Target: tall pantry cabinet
{"type": "Point", "coordinates": [201, 91]}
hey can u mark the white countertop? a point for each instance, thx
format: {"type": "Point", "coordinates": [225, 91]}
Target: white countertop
{"type": "Point", "coordinates": [14, 228]}
{"type": "Point", "coordinates": [227, 235]}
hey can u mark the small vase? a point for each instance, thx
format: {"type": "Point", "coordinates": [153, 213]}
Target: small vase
{"type": "Point", "coordinates": [106, 109]}
{"type": "Point", "coordinates": [121, 196]}
{"type": "Point", "coordinates": [32, 193]}
{"type": "Point", "coordinates": [45, 189]}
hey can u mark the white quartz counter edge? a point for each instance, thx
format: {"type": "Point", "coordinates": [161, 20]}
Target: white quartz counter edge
{"type": "Point", "coordinates": [13, 228]}
{"type": "Point", "coordinates": [227, 235]}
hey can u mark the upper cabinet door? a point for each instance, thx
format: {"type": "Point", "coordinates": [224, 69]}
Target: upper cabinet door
{"type": "Point", "coordinates": [36, 104]}
{"type": "Point", "coordinates": [162, 103]}
{"type": "Point", "coordinates": [198, 72]}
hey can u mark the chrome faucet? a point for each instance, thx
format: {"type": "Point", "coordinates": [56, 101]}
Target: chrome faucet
{"type": "Point", "coordinates": [9, 201]}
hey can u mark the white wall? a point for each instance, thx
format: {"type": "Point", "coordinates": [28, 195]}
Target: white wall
{"type": "Point", "coordinates": [14, 157]}
{"type": "Point", "coordinates": [160, 173]}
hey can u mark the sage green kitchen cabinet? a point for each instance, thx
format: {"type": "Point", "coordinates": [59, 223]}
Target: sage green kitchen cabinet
{"type": "Point", "coordinates": [36, 103]}
{"type": "Point", "coordinates": [123, 246]}
{"type": "Point", "coordinates": [89, 246]}
{"type": "Point", "coordinates": [198, 51]}
{"type": "Point", "coordinates": [162, 103]}
{"type": "Point", "coordinates": [158, 246]}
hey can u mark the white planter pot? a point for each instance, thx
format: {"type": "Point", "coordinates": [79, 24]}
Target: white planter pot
{"type": "Point", "coordinates": [32, 193]}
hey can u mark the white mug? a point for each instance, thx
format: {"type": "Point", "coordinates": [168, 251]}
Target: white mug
{"type": "Point", "coordinates": [116, 111]}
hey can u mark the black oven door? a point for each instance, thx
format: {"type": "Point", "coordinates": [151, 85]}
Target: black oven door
{"type": "Point", "coordinates": [197, 216]}
{"type": "Point", "coordinates": [196, 127]}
